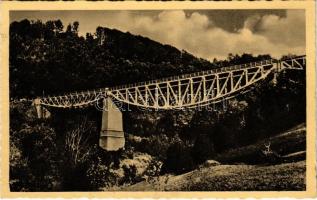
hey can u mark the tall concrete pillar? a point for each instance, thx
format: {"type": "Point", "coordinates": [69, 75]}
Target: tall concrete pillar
{"type": "Point", "coordinates": [38, 108]}
{"type": "Point", "coordinates": [111, 135]}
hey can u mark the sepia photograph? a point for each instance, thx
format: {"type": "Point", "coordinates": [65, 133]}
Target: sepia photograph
{"type": "Point", "coordinates": [158, 100]}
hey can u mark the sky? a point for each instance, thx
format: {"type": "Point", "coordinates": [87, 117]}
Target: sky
{"type": "Point", "coordinates": [207, 34]}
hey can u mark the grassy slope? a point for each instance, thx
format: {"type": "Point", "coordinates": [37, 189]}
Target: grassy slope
{"type": "Point", "coordinates": [287, 176]}
{"type": "Point", "coordinates": [293, 140]}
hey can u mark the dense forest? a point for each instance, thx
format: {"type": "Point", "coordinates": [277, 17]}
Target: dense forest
{"type": "Point", "coordinates": [47, 59]}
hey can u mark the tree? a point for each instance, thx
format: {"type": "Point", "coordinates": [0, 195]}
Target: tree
{"type": "Point", "coordinates": [33, 152]}
{"type": "Point", "coordinates": [203, 148]}
{"type": "Point", "coordinates": [75, 27]}
{"type": "Point", "coordinates": [179, 159]}
{"type": "Point", "coordinates": [59, 26]}
{"type": "Point", "coordinates": [69, 28]}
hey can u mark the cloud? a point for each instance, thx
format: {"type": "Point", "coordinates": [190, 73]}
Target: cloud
{"type": "Point", "coordinates": [289, 30]}
{"type": "Point", "coordinates": [201, 33]}
{"type": "Point", "coordinates": [197, 34]}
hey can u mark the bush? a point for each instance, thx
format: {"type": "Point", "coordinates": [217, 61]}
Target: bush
{"type": "Point", "coordinates": [99, 175]}
{"type": "Point", "coordinates": [33, 158]}
{"type": "Point", "coordinates": [19, 171]}
{"type": "Point", "coordinates": [203, 149]}
{"type": "Point", "coordinates": [33, 151]}
{"type": "Point", "coordinates": [155, 145]}
{"type": "Point", "coordinates": [85, 166]}
{"type": "Point", "coordinates": [179, 159]}
{"type": "Point", "coordinates": [154, 168]}
{"type": "Point", "coordinates": [130, 175]}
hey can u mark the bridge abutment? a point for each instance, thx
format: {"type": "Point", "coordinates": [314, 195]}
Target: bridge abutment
{"type": "Point", "coordinates": [111, 134]}
{"type": "Point", "coordinates": [38, 108]}
{"type": "Point", "coordinates": [41, 112]}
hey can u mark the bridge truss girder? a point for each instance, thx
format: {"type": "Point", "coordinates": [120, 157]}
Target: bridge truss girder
{"type": "Point", "coordinates": [187, 90]}
{"type": "Point", "coordinates": [192, 91]}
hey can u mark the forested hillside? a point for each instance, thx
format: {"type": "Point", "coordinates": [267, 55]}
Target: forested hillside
{"type": "Point", "coordinates": [46, 59]}
{"type": "Point", "coordinates": [43, 57]}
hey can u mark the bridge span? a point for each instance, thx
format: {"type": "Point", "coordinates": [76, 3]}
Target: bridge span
{"type": "Point", "coordinates": [187, 90]}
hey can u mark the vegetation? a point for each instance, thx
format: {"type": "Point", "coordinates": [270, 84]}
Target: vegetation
{"type": "Point", "coordinates": [69, 62]}
{"type": "Point", "coordinates": [283, 177]}
{"type": "Point", "coordinates": [61, 153]}
{"type": "Point", "coordinates": [254, 178]}
{"type": "Point", "coordinates": [179, 159]}
{"type": "Point", "coordinates": [287, 143]}
{"type": "Point", "coordinates": [33, 153]}
{"type": "Point", "coordinates": [238, 172]}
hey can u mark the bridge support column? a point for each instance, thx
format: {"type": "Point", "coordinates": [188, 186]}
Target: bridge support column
{"type": "Point", "coordinates": [38, 107]}
{"type": "Point", "coordinates": [111, 135]}
{"type": "Point", "coordinates": [41, 111]}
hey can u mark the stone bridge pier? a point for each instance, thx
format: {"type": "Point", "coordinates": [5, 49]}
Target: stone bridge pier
{"type": "Point", "coordinates": [111, 134]}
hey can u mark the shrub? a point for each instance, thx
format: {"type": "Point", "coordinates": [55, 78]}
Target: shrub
{"type": "Point", "coordinates": [77, 145]}
{"type": "Point", "coordinates": [179, 159]}
{"type": "Point", "coordinates": [155, 145]}
{"type": "Point", "coordinates": [203, 149]}
{"type": "Point", "coordinates": [33, 161]}
{"type": "Point", "coordinates": [99, 175]}
{"type": "Point", "coordinates": [154, 168]}
{"type": "Point", "coordinates": [80, 158]}
{"type": "Point", "coordinates": [130, 175]}
{"type": "Point", "coordinates": [19, 171]}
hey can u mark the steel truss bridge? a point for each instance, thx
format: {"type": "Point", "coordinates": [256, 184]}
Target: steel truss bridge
{"type": "Point", "coordinates": [188, 90]}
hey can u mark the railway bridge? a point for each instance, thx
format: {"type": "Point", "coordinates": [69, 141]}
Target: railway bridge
{"type": "Point", "coordinates": [187, 90]}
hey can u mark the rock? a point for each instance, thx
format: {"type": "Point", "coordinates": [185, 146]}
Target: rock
{"type": "Point", "coordinates": [211, 163]}
{"type": "Point", "coordinates": [134, 138]}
